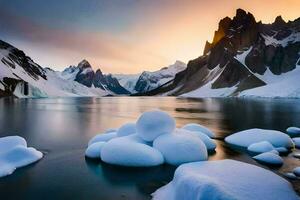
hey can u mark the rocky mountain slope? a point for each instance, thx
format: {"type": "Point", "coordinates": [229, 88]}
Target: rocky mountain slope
{"type": "Point", "coordinates": [84, 74]}
{"type": "Point", "coordinates": [245, 58]}
{"type": "Point", "coordinates": [147, 81]}
{"type": "Point", "coordinates": [20, 76]}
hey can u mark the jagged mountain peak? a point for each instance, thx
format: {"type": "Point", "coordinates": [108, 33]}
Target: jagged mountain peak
{"type": "Point", "coordinates": [84, 64]}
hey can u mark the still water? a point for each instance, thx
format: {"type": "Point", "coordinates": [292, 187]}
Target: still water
{"type": "Point", "coordinates": [62, 127]}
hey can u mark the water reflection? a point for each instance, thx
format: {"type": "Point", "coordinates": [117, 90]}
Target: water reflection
{"type": "Point", "coordinates": [63, 126]}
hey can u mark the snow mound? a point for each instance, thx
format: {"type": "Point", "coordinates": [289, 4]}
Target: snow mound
{"type": "Point", "coordinates": [260, 147]}
{"type": "Point", "coordinates": [10, 142]}
{"type": "Point", "coordinates": [269, 158]}
{"type": "Point", "coordinates": [296, 171]}
{"type": "Point", "coordinates": [209, 143]}
{"type": "Point", "coordinates": [180, 148]}
{"type": "Point", "coordinates": [103, 137]}
{"type": "Point", "coordinates": [94, 150]}
{"type": "Point", "coordinates": [282, 149]}
{"type": "Point", "coordinates": [297, 142]}
{"type": "Point", "coordinates": [130, 151]}
{"type": "Point", "coordinates": [215, 180]}
{"type": "Point", "coordinates": [14, 153]}
{"type": "Point", "coordinates": [247, 137]}
{"type": "Point", "coordinates": [199, 128]}
{"type": "Point", "coordinates": [290, 176]}
{"type": "Point", "coordinates": [126, 129]}
{"type": "Point", "coordinates": [293, 131]}
{"type": "Point", "coordinates": [152, 124]}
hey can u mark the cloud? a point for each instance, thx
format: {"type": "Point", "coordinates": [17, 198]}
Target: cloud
{"type": "Point", "coordinates": [98, 46]}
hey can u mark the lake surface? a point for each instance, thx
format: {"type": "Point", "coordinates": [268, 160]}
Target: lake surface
{"type": "Point", "coordinates": [62, 127]}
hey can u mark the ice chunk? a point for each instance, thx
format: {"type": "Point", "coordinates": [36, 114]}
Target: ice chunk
{"type": "Point", "coordinates": [126, 129]}
{"type": "Point", "coordinates": [282, 150]}
{"type": "Point", "coordinates": [269, 158]}
{"type": "Point", "coordinates": [247, 137]}
{"type": "Point", "coordinates": [290, 175]}
{"type": "Point", "coordinates": [296, 171]}
{"type": "Point", "coordinates": [103, 137]}
{"type": "Point", "coordinates": [260, 147]}
{"type": "Point", "coordinates": [10, 142]}
{"type": "Point", "coordinates": [297, 142]}
{"type": "Point", "coordinates": [293, 131]}
{"type": "Point", "coordinates": [180, 148]}
{"type": "Point", "coordinates": [226, 180]}
{"type": "Point", "coordinates": [130, 151]}
{"type": "Point", "coordinates": [14, 153]}
{"type": "Point", "coordinates": [200, 128]}
{"type": "Point", "coordinates": [209, 143]}
{"type": "Point", "coordinates": [152, 124]}
{"type": "Point", "coordinates": [94, 150]}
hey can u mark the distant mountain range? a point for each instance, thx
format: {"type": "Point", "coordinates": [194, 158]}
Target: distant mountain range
{"type": "Point", "coordinates": [245, 58]}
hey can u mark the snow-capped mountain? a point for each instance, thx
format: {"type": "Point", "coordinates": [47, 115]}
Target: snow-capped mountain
{"type": "Point", "coordinates": [84, 74]}
{"type": "Point", "coordinates": [147, 81]}
{"type": "Point", "coordinates": [20, 76]}
{"type": "Point", "coordinates": [245, 58]}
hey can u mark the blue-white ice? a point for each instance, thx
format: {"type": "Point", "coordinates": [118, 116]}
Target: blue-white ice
{"type": "Point", "coordinates": [209, 143]}
{"type": "Point", "coordinates": [247, 137]}
{"type": "Point", "coordinates": [269, 158]}
{"type": "Point", "coordinates": [126, 129]}
{"type": "Point", "coordinates": [14, 153]}
{"type": "Point", "coordinates": [178, 148]}
{"type": "Point", "coordinates": [152, 124]}
{"type": "Point", "coordinates": [130, 151]}
{"type": "Point", "coordinates": [297, 142]}
{"type": "Point", "coordinates": [293, 131]}
{"type": "Point", "coordinates": [225, 180]}
{"type": "Point", "coordinates": [103, 137]}
{"type": "Point", "coordinates": [260, 147]}
{"type": "Point", "coordinates": [296, 171]}
{"type": "Point", "coordinates": [199, 128]}
{"type": "Point", "coordinates": [94, 150]}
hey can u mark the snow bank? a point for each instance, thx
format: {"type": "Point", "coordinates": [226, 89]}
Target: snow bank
{"type": "Point", "coordinates": [226, 180]}
{"type": "Point", "coordinates": [293, 131]}
{"type": "Point", "coordinates": [94, 150]}
{"type": "Point", "coordinates": [282, 149]}
{"type": "Point", "coordinates": [14, 153]}
{"type": "Point", "coordinates": [126, 129]}
{"type": "Point", "coordinates": [130, 151]}
{"type": "Point", "coordinates": [269, 158]}
{"type": "Point", "coordinates": [199, 128]}
{"type": "Point", "coordinates": [152, 124]}
{"type": "Point", "coordinates": [178, 148]}
{"type": "Point", "coordinates": [261, 147]}
{"type": "Point", "coordinates": [250, 136]}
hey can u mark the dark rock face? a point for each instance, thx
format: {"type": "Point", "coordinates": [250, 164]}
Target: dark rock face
{"type": "Point", "coordinates": [86, 76]}
{"type": "Point", "coordinates": [273, 46]}
{"type": "Point", "coordinates": [17, 57]}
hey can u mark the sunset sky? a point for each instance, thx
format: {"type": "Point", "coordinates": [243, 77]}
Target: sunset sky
{"type": "Point", "coordinates": [126, 36]}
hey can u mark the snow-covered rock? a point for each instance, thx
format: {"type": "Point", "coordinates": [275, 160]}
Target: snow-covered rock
{"type": "Point", "coordinates": [152, 124]}
{"type": "Point", "coordinates": [130, 151]}
{"type": "Point", "coordinates": [260, 147]}
{"type": "Point", "coordinates": [297, 142]}
{"type": "Point", "coordinates": [199, 128]}
{"type": "Point", "coordinates": [103, 137]}
{"type": "Point", "coordinates": [14, 153]}
{"type": "Point", "coordinates": [282, 150]}
{"type": "Point", "coordinates": [94, 150]}
{"type": "Point", "coordinates": [296, 171]}
{"type": "Point", "coordinates": [226, 180]}
{"type": "Point", "coordinates": [178, 148]}
{"type": "Point", "coordinates": [290, 175]}
{"type": "Point", "coordinates": [293, 131]}
{"type": "Point", "coordinates": [269, 158]}
{"type": "Point", "coordinates": [126, 129]}
{"type": "Point", "coordinates": [209, 143]}
{"type": "Point", "coordinates": [250, 136]}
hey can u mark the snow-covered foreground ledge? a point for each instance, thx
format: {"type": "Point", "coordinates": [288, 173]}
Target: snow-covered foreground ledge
{"type": "Point", "coordinates": [14, 153]}
{"type": "Point", "coordinates": [226, 180]}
